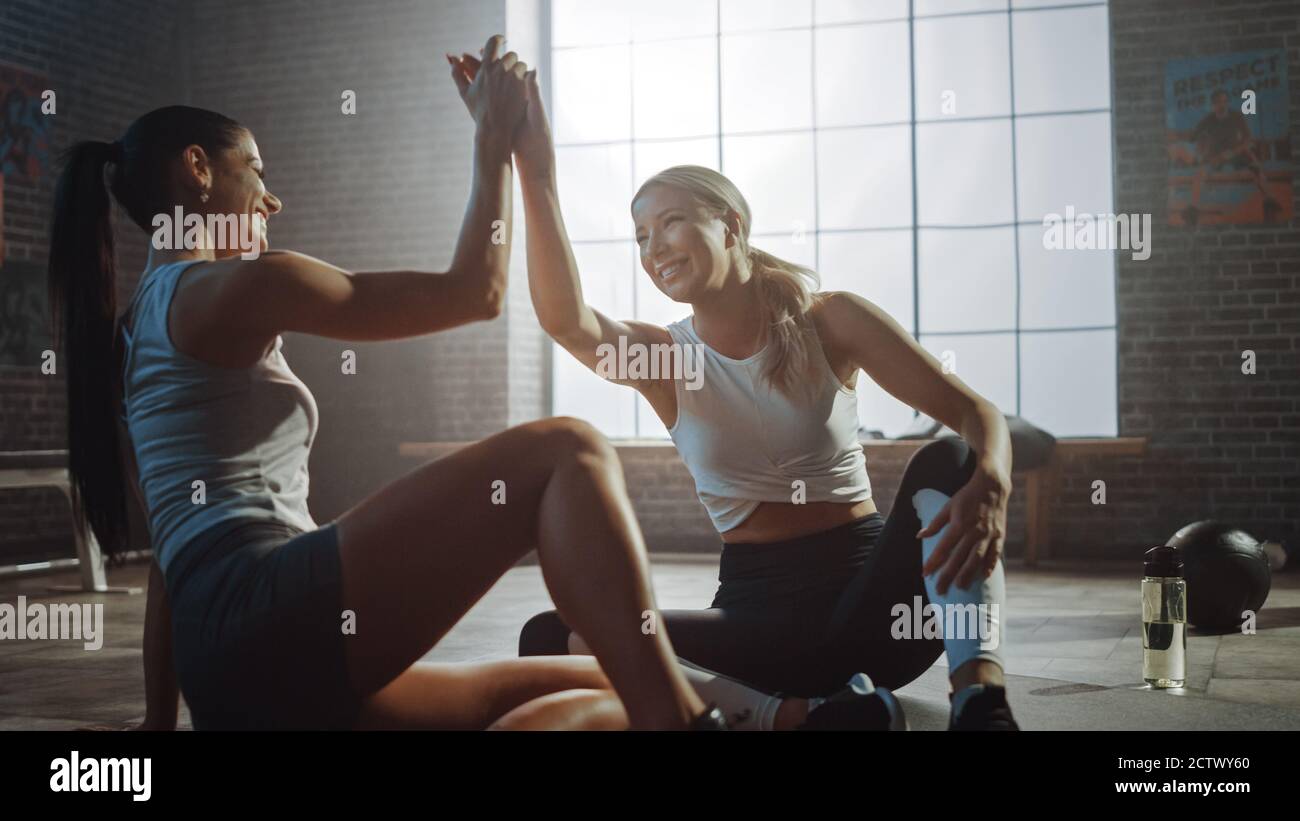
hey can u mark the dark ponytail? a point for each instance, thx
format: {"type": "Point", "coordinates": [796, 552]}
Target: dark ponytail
{"type": "Point", "coordinates": [83, 290]}
{"type": "Point", "coordinates": [83, 304]}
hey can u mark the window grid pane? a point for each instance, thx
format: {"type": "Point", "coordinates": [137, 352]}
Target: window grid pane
{"type": "Point", "coordinates": [828, 168]}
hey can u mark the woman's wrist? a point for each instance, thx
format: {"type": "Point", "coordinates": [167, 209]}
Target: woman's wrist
{"type": "Point", "coordinates": [491, 145]}
{"type": "Point", "coordinates": [995, 471]}
{"type": "Point", "coordinates": [535, 172]}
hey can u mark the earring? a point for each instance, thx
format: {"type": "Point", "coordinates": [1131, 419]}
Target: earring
{"type": "Point", "coordinates": [203, 197]}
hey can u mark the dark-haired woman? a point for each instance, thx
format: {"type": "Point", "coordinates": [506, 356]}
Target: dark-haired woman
{"type": "Point", "coordinates": [276, 621]}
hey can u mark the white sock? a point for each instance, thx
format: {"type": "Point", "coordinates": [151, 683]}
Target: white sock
{"type": "Point", "coordinates": [860, 682]}
{"type": "Point", "coordinates": [744, 707]}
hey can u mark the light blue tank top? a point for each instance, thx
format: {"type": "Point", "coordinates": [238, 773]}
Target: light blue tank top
{"type": "Point", "coordinates": [746, 442]}
{"type": "Point", "coordinates": [244, 433]}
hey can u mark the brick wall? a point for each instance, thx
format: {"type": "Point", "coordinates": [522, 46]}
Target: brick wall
{"type": "Point", "coordinates": [1222, 444]}
{"type": "Point", "coordinates": [383, 189]}
{"type": "Point", "coordinates": [387, 187]}
{"type": "Point", "coordinates": [106, 63]}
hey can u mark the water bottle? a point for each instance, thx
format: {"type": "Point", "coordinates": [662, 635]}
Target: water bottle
{"type": "Point", "coordinates": [1164, 619]}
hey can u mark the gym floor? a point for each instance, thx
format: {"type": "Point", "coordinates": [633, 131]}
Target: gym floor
{"type": "Point", "coordinates": [1074, 653]}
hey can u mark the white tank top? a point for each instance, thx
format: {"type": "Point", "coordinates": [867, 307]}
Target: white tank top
{"type": "Point", "coordinates": [245, 432]}
{"type": "Point", "coordinates": [746, 442]}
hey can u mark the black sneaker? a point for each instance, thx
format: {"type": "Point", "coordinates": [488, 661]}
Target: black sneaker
{"type": "Point", "coordinates": [711, 719]}
{"type": "Point", "coordinates": [858, 706]}
{"type": "Point", "coordinates": [985, 710]}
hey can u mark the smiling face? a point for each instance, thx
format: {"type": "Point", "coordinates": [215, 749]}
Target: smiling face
{"type": "Point", "coordinates": [686, 249]}
{"type": "Point", "coordinates": [239, 187]}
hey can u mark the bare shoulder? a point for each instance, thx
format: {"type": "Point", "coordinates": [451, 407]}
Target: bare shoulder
{"type": "Point", "coordinates": [225, 312]}
{"type": "Point", "coordinates": [247, 289]}
{"type": "Point", "coordinates": [839, 306]}
{"type": "Point", "coordinates": [856, 332]}
{"type": "Point", "coordinates": [274, 269]}
{"type": "Point", "coordinates": [842, 316]}
{"type": "Point", "coordinates": [832, 315]}
{"type": "Point", "coordinates": [236, 273]}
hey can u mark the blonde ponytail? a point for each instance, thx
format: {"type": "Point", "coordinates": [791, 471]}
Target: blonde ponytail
{"type": "Point", "coordinates": [786, 288]}
{"type": "Point", "coordinates": [787, 291]}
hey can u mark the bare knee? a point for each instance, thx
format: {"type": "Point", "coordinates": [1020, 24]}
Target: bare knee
{"type": "Point", "coordinates": [565, 438]}
{"type": "Point", "coordinates": [576, 434]}
{"type": "Point", "coordinates": [585, 709]}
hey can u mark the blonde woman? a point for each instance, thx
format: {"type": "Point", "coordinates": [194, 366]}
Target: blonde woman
{"type": "Point", "coordinates": [810, 592]}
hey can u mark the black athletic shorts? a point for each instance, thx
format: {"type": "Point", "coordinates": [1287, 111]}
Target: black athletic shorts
{"type": "Point", "coordinates": [257, 629]}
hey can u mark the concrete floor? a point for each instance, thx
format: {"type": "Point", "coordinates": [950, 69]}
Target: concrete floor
{"type": "Point", "coordinates": [1074, 653]}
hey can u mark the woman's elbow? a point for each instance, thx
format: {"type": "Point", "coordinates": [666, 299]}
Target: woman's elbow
{"type": "Point", "coordinates": [559, 325]}
{"type": "Point", "coordinates": [491, 303]}
{"type": "Point", "coordinates": [552, 328]}
{"type": "Point", "coordinates": [480, 301]}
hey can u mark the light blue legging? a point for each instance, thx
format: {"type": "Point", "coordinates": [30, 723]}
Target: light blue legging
{"type": "Point", "coordinates": [971, 619]}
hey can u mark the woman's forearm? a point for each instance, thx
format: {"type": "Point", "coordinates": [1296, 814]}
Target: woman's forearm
{"type": "Point", "coordinates": [161, 692]}
{"type": "Point", "coordinates": [985, 429]}
{"type": "Point", "coordinates": [482, 256]}
{"type": "Point", "coordinates": [553, 280]}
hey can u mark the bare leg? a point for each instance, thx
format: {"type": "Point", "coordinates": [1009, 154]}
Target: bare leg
{"type": "Point", "coordinates": [735, 698]}
{"type": "Point", "coordinates": [419, 553]}
{"type": "Point", "coordinates": [568, 710]}
{"type": "Point", "coordinates": [432, 696]}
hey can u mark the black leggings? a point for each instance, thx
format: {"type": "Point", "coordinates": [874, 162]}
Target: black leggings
{"type": "Point", "coordinates": [800, 616]}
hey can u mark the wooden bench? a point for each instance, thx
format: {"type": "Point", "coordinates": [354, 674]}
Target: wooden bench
{"type": "Point", "coordinates": [49, 468]}
{"type": "Point", "coordinates": [1042, 484]}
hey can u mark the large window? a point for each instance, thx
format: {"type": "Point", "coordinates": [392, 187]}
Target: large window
{"type": "Point", "coordinates": [908, 151]}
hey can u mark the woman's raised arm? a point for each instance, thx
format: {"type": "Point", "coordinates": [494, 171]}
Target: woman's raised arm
{"type": "Point", "coordinates": [553, 279]}
{"type": "Point", "coordinates": [288, 291]}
